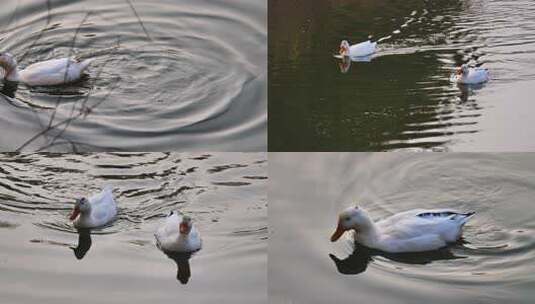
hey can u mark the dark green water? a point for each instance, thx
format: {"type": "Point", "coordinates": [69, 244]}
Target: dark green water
{"type": "Point", "coordinates": [402, 98]}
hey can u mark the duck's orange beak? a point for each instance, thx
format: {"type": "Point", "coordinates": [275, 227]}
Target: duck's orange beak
{"type": "Point", "coordinates": [75, 213]}
{"type": "Point", "coordinates": [183, 228]}
{"type": "Point", "coordinates": [458, 71]}
{"type": "Point", "coordinates": [342, 51]}
{"type": "Point", "coordinates": [338, 233]}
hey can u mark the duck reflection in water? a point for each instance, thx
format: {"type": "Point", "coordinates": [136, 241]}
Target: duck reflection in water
{"type": "Point", "coordinates": [358, 261]}
{"type": "Point", "coordinates": [9, 88]}
{"type": "Point", "coordinates": [183, 271]}
{"type": "Point", "coordinates": [345, 62]}
{"type": "Point", "coordinates": [84, 243]}
{"type": "Point", "coordinates": [467, 90]}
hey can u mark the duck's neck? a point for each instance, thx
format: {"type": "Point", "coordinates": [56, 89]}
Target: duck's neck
{"type": "Point", "coordinates": [367, 233]}
{"type": "Point", "coordinates": [84, 217]}
{"type": "Point", "coordinates": [12, 73]}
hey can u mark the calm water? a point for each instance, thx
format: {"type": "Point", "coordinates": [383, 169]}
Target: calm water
{"type": "Point", "coordinates": [224, 193]}
{"type": "Point", "coordinates": [185, 75]}
{"type": "Point", "coordinates": [307, 191]}
{"type": "Point", "coordinates": [402, 98]}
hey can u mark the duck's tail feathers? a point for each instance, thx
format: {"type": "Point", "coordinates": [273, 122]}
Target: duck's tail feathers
{"type": "Point", "coordinates": [85, 63]}
{"type": "Point", "coordinates": [107, 188]}
{"type": "Point", "coordinates": [465, 217]}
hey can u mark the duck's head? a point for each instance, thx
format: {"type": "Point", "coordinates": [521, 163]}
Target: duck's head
{"type": "Point", "coordinates": [462, 70]}
{"type": "Point", "coordinates": [344, 48]}
{"type": "Point", "coordinates": [185, 225]}
{"type": "Point", "coordinates": [81, 206]}
{"type": "Point", "coordinates": [7, 62]}
{"type": "Point", "coordinates": [351, 218]}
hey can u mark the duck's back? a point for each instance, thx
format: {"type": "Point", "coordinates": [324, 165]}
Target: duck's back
{"type": "Point", "coordinates": [477, 75]}
{"type": "Point", "coordinates": [51, 72]}
{"type": "Point", "coordinates": [103, 207]}
{"type": "Point", "coordinates": [170, 227]}
{"type": "Point", "coordinates": [420, 222]}
{"type": "Point", "coordinates": [362, 49]}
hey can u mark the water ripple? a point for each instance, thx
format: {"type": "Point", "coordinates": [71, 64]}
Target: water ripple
{"type": "Point", "coordinates": [161, 73]}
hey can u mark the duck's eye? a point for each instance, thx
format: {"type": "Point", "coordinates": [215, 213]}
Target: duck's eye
{"type": "Point", "coordinates": [347, 219]}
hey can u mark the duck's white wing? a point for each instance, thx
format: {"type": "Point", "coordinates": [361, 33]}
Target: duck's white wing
{"type": "Point", "coordinates": [103, 206]}
{"type": "Point", "coordinates": [50, 66]}
{"type": "Point", "coordinates": [52, 72]}
{"type": "Point", "coordinates": [50, 69]}
{"type": "Point", "coordinates": [362, 49]}
{"type": "Point", "coordinates": [420, 243]}
{"type": "Point", "coordinates": [444, 223]}
{"type": "Point", "coordinates": [478, 75]}
{"type": "Point", "coordinates": [170, 227]}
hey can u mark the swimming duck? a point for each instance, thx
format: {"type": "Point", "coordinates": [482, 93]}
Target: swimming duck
{"type": "Point", "coordinates": [177, 234]}
{"type": "Point", "coordinates": [410, 231]}
{"type": "Point", "coordinates": [467, 75]}
{"type": "Point", "coordinates": [357, 50]}
{"type": "Point", "coordinates": [45, 73]}
{"type": "Point", "coordinates": [99, 210]}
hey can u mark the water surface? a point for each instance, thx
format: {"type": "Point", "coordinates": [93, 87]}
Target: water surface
{"type": "Point", "coordinates": [402, 98]}
{"type": "Point", "coordinates": [186, 75]}
{"type": "Point", "coordinates": [307, 191]}
{"type": "Point", "coordinates": [43, 257]}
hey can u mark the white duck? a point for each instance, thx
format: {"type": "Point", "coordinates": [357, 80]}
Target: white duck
{"type": "Point", "coordinates": [410, 231]}
{"type": "Point", "coordinates": [98, 210]}
{"type": "Point", "coordinates": [362, 49]}
{"type": "Point", "coordinates": [177, 234]}
{"type": "Point", "coordinates": [467, 75]}
{"type": "Point", "coordinates": [45, 73]}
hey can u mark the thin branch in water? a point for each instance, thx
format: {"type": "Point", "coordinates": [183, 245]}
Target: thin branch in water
{"type": "Point", "coordinates": [73, 44]}
{"type": "Point", "coordinates": [72, 117]}
{"type": "Point", "coordinates": [64, 124]}
{"type": "Point", "coordinates": [66, 121]}
{"type": "Point", "coordinates": [81, 108]}
{"type": "Point", "coordinates": [139, 19]}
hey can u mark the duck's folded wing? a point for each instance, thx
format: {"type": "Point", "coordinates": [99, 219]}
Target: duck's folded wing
{"type": "Point", "coordinates": [417, 244]}
{"type": "Point", "coordinates": [42, 79]}
{"type": "Point", "coordinates": [102, 215]}
{"type": "Point", "coordinates": [49, 67]}
{"type": "Point", "coordinates": [49, 72]}
{"type": "Point", "coordinates": [445, 223]}
{"type": "Point", "coordinates": [170, 226]}
{"type": "Point", "coordinates": [446, 216]}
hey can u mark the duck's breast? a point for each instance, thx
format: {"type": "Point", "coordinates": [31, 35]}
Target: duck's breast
{"type": "Point", "coordinates": [194, 240]}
